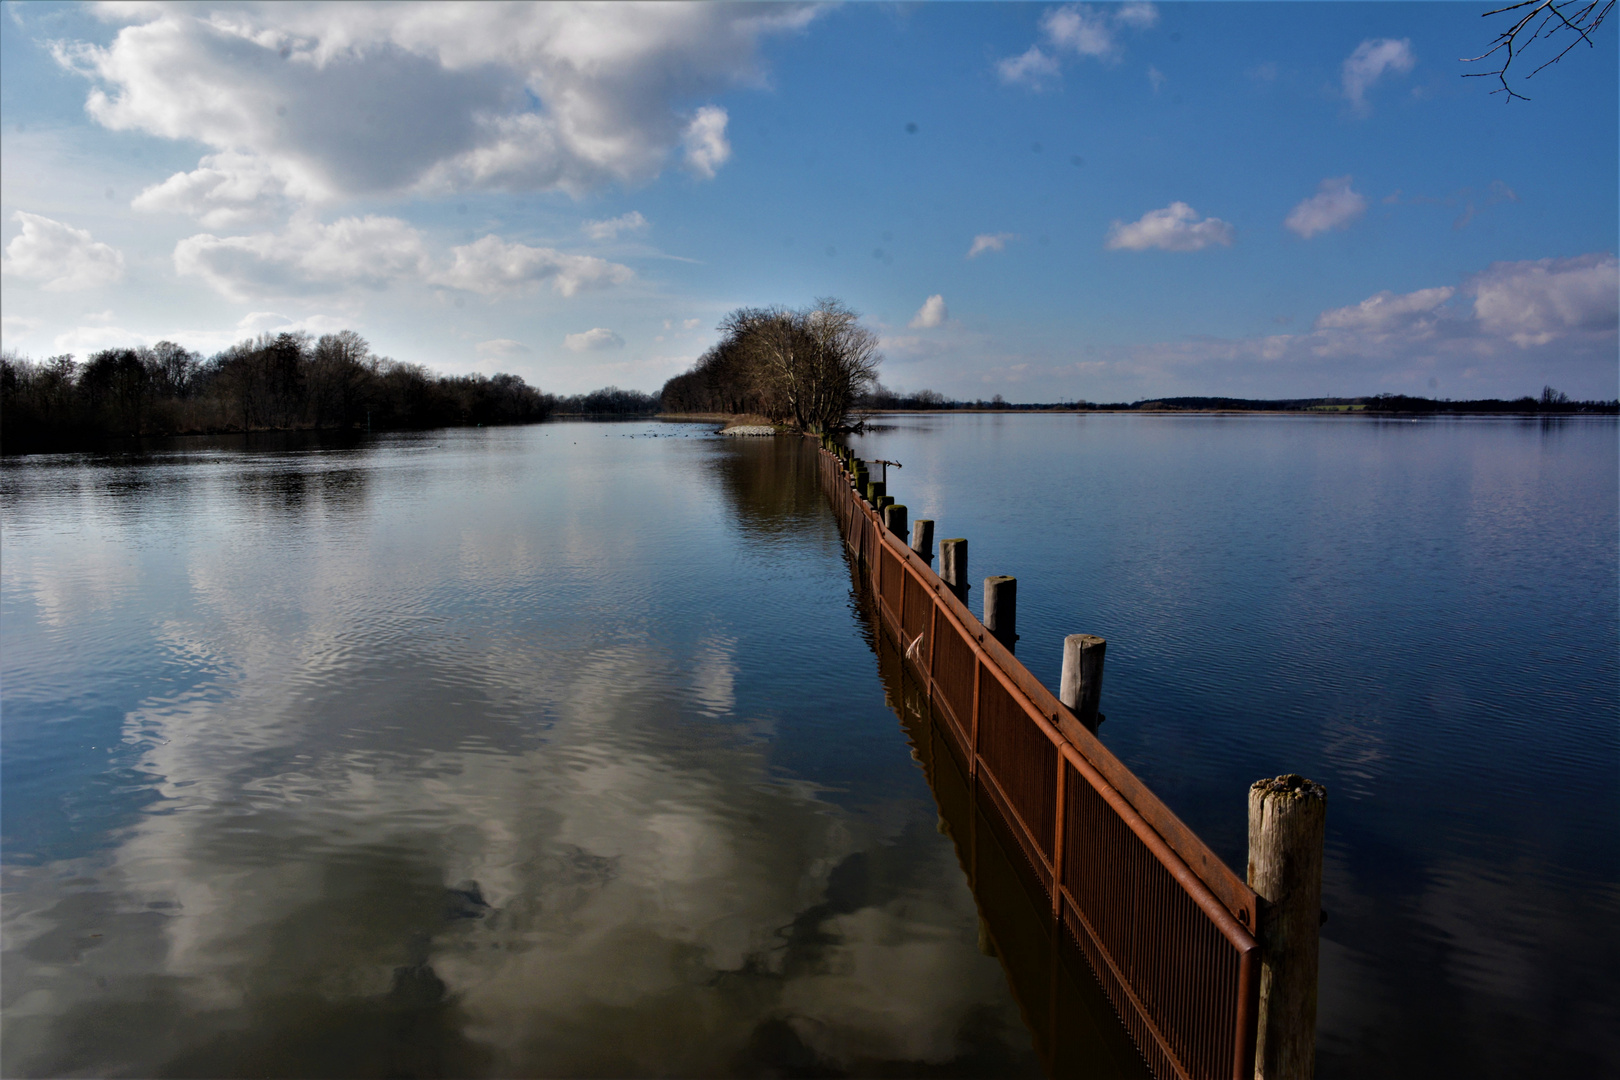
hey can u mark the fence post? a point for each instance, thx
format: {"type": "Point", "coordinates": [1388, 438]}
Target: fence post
{"type": "Point", "coordinates": [1287, 820]}
{"type": "Point", "coordinates": [875, 490]}
{"type": "Point", "coordinates": [1081, 685]}
{"type": "Point", "coordinates": [894, 519]}
{"type": "Point", "coordinates": [953, 566]}
{"type": "Point", "coordinates": [1001, 609]}
{"type": "Point", "coordinates": [922, 539]}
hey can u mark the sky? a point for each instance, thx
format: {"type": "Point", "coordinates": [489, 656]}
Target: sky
{"type": "Point", "coordinates": [1051, 202]}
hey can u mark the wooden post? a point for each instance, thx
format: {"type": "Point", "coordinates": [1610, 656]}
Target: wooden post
{"type": "Point", "coordinates": [874, 491]}
{"type": "Point", "coordinates": [953, 566]}
{"type": "Point", "coordinates": [922, 539]}
{"type": "Point", "coordinates": [1287, 819]}
{"type": "Point", "coordinates": [1001, 609]}
{"type": "Point", "coordinates": [894, 519]}
{"type": "Point", "coordinates": [1081, 686]}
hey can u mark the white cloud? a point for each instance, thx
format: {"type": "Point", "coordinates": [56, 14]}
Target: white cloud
{"type": "Point", "coordinates": [705, 141]}
{"type": "Point", "coordinates": [989, 242]}
{"type": "Point", "coordinates": [1334, 206]}
{"type": "Point", "coordinates": [1371, 60]}
{"type": "Point", "coordinates": [502, 347]}
{"type": "Point", "coordinates": [1412, 314]}
{"type": "Point", "coordinates": [260, 322]}
{"type": "Point", "coordinates": [691, 324]}
{"type": "Point", "coordinates": [18, 325]}
{"type": "Point", "coordinates": [59, 256]}
{"type": "Point", "coordinates": [612, 227]}
{"type": "Point", "coordinates": [491, 265]}
{"type": "Point", "coordinates": [1029, 67]}
{"type": "Point", "coordinates": [594, 340]}
{"type": "Point", "coordinates": [1175, 228]}
{"type": "Point", "coordinates": [226, 190]}
{"type": "Point", "coordinates": [368, 251]}
{"type": "Point", "coordinates": [1539, 301]}
{"type": "Point", "coordinates": [1156, 78]}
{"type": "Point", "coordinates": [931, 314]}
{"type": "Point", "coordinates": [1139, 16]}
{"type": "Point", "coordinates": [82, 340]}
{"type": "Point", "coordinates": [317, 101]}
{"type": "Point", "coordinates": [1079, 29]}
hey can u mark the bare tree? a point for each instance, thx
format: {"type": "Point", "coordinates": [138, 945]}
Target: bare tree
{"type": "Point", "coordinates": [843, 363]}
{"type": "Point", "coordinates": [1545, 20]}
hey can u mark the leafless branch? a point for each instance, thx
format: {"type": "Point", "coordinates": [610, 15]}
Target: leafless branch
{"type": "Point", "coordinates": [1544, 20]}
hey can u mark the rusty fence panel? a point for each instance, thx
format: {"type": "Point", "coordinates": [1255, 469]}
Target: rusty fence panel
{"type": "Point", "coordinates": [1165, 924]}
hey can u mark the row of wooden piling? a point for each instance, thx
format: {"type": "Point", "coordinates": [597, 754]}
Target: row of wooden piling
{"type": "Point", "coordinates": [1287, 814]}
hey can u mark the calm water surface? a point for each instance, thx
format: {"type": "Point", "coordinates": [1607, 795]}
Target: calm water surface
{"type": "Point", "coordinates": [564, 750]}
{"type": "Point", "coordinates": [1421, 615]}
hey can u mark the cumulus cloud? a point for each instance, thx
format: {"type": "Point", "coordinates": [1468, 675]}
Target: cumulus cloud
{"type": "Point", "coordinates": [989, 242]}
{"type": "Point", "coordinates": [18, 325]}
{"type": "Point", "coordinates": [931, 314]}
{"type": "Point", "coordinates": [612, 227]}
{"type": "Point", "coordinates": [594, 340]}
{"type": "Point", "coordinates": [492, 265]}
{"type": "Point", "coordinates": [1412, 313]}
{"type": "Point", "coordinates": [60, 257]}
{"type": "Point", "coordinates": [1370, 62]}
{"type": "Point", "coordinates": [1175, 228]}
{"type": "Point", "coordinates": [308, 256]}
{"type": "Point", "coordinates": [1334, 206]}
{"type": "Point", "coordinates": [502, 347]}
{"type": "Point", "coordinates": [705, 141]}
{"type": "Point", "coordinates": [226, 190]}
{"type": "Point", "coordinates": [1537, 302]}
{"type": "Point", "coordinates": [321, 101]}
{"type": "Point", "coordinates": [1031, 67]}
{"type": "Point", "coordinates": [376, 252]}
{"type": "Point", "coordinates": [1080, 30]}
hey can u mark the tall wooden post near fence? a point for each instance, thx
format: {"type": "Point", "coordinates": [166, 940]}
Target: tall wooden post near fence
{"type": "Point", "coordinates": [922, 539]}
{"type": "Point", "coordinates": [1001, 609]}
{"type": "Point", "coordinates": [894, 519]}
{"type": "Point", "coordinates": [953, 566]}
{"type": "Point", "coordinates": [1287, 823]}
{"type": "Point", "coordinates": [1081, 685]}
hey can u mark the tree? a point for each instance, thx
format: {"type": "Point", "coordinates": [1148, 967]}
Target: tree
{"type": "Point", "coordinates": [805, 366]}
{"type": "Point", "coordinates": [1571, 21]}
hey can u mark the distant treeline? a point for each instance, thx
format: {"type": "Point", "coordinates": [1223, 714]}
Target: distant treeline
{"type": "Point", "coordinates": [1549, 402]}
{"type": "Point", "coordinates": [280, 382]}
{"type": "Point", "coordinates": [609, 401]}
{"type": "Point", "coordinates": [808, 367]}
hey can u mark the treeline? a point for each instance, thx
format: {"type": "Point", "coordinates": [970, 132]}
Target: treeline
{"type": "Point", "coordinates": [1550, 402]}
{"type": "Point", "coordinates": [284, 381]}
{"type": "Point", "coordinates": [808, 367]}
{"type": "Point", "coordinates": [609, 401]}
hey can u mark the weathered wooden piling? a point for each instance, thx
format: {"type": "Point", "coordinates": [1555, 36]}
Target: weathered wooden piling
{"type": "Point", "coordinates": [1001, 609]}
{"type": "Point", "coordinates": [1287, 823]}
{"type": "Point", "coordinates": [894, 519]}
{"type": "Point", "coordinates": [922, 539]}
{"type": "Point", "coordinates": [953, 566]}
{"type": "Point", "coordinates": [875, 489]}
{"type": "Point", "coordinates": [1081, 685]}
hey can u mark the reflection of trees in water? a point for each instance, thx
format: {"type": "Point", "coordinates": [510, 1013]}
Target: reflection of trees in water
{"type": "Point", "coordinates": [1075, 1030]}
{"type": "Point", "coordinates": [772, 484]}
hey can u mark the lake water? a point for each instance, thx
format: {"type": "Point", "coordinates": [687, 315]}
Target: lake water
{"type": "Point", "coordinates": [567, 750]}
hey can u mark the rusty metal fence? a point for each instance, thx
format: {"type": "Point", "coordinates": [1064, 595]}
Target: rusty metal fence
{"type": "Point", "coordinates": [1165, 924]}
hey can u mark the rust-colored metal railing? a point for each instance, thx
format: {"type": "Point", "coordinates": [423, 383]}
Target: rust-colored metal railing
{"type": "Point", "coordinates": [1166, 925]}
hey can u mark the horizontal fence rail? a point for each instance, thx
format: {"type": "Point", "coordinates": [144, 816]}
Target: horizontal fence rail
{"type": "Point", "coordinates": [1166, 925]}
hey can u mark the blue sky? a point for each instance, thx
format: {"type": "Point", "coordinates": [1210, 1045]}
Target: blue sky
{"type": "Point", "coordinates": [1043, 201]}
